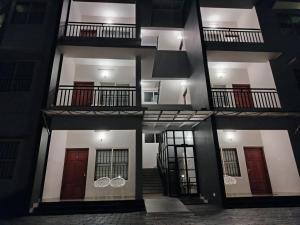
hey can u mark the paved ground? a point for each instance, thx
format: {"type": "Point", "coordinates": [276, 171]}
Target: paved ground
{"type": "Point", "coordinates": [199, 215]}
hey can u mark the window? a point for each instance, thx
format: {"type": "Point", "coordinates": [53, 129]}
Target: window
{"type": "Point", "coordinates": [150, 97]}
{"type": "Point", "coordinates": [111, 163]}
{"type": "Point", "coordinates": [289, 24]}
{"type": "Point", "coordinates": [153, 138]}
{"type": "Point", "coordinates": [8, 157]}
{"type": "Point", "coordinates": [16, 76]}
{"type": "Point", "coordinates": [29, 13]}
{"type": "Point", "coordinates": [230, 162]}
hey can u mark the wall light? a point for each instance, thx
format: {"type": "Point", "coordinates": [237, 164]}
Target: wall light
{"type": "Point", "coordinates": [105, 73]}
{"type": "Point", "coordinates": [220, 74]}
{"type": "Point", "coordinates": [101, 134]}
{"type": "Point", "coordinates": [230, 135]}
{"type": "Point", "coordinates": [184, 83]}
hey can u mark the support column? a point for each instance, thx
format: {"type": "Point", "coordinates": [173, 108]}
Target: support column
{"type": "Point", "coordinates": [139, 163]}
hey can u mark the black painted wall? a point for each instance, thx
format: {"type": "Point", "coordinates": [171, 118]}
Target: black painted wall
{"type": "Point", "coordinates": [21, 116]}
{"type": "Point", "coordinates": [208, 160]}
{"type": "Point", "coordinates": [199, 73]}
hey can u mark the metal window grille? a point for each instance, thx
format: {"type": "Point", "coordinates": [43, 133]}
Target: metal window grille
{"type": "Point", "coordinates": [8, 157]}
{"type": "Point", "coordinates": [111, 163]}
{"type": "Point", "coordinates": [231, 163]}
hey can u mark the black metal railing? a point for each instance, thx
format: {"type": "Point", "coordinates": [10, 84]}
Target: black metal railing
{"type": "Point", "coordinates": [233, 35]}
{"type": "Point", "coordinates": [96, 96]}
{"type": "Point", "coordinates": [254, 98]}
{"type": "Point", "coordinates": [100, 30]}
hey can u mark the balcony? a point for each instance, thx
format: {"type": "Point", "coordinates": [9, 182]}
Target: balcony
{"type": "Point", "coordinates": [233, 35]}
{"type": "Point", "coordinates": [100, 30]}
{"type": "Point", "coordinates": [95, 96]}
{"type": "Point", "coordinates": [97, 24]}
{"type": "Point", "coordinates": [243, 87]}
{"type": "Point", "coordinates": [245, 98]}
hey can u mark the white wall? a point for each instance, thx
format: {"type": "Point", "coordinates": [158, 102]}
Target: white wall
{"type": "Point", "coordinates": [97, 12]}
{"type": "Point", "coordinates": [168, 39]}
{"type": "Point", "coordinates": [260, 75]}
{"type": "Point", "coordinates": [90, 139]}
{"type": "Point", "coordinates": [118, 74]}
{"type": "Point", "coordinates": [67, 72]}
{"type": "Point", "coordinates": [55, 165]}
{"type": "Point", "coordinates": [281, 163]}
{"type": "Point", "coordinates": [171, 92]}
{"type": "Point", "coordinates": [150, 151]}
{"type": "Point", "coordinates": [228, 77]}
{"type": "Point", "coordinates": [279, 156]}
{"type": "Point", "coordinates": [230, 18]}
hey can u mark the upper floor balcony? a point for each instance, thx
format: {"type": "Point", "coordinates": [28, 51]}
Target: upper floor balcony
{"type": "Point", "coordinates": [234, 28]}
{"type": "Point", "coordinates": [88, 84]}
{"type": "Point", "coordinates": [98, 23]}
{"type": "Point", "coordinates": [243, 87]}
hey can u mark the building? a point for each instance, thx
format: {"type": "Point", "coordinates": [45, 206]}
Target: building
{"type": "Point", "coordinates": [103, 100]}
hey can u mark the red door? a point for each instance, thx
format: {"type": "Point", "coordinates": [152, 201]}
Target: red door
{"type": "Point", "coordinates": [74, 176]}
{"type": "Point", "coordinates": [242, 96]}
{"type": "Point", "coordinates": [257, 171]}
{"type": "Point", "coordinates": [82, 94]}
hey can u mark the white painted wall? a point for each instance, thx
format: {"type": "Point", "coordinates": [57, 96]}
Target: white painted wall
{"type": "Point", "coordinates": [150, 151]}
{"type": "Point", "coordinates": [116, 74]}
{"type": "Point", "coordinates": [281, 163]}
{"type": "Point", "coordinates": [171, 92]}
{"type": "Point", "coordinates": [228, 77]}
{"type": "Point", "coordinates": [168, 39]}
{"type": "Point", "coordinates": [90, 139]}
{"type": "Point", "coordinates": [55, 165]}
{"type": "Point", "coordinates": [67, 72]}
{"type": "Point", "coordinates": [279, 156]}
{"type": "Point", "coordinates": [232, 18]}
{"type": "Point", "coordinates": [96, 12]}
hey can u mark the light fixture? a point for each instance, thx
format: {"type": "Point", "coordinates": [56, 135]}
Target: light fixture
{"type": "Point", "coordinates": [105, 73]}
{"type": "Point", "coordinates": [230, 135]}
{"type": "Point", "coordinates": [220, 74]}
{"type": "Point", "coordinates": [184, 83]}
{"type": "Point", "coordinates": [101, 134]}
{"type": "Point", "coordinates": [179, 36]}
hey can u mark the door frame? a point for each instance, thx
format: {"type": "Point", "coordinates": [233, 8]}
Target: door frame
{"type": "Point", "coordinates": [177, 169]}
{"type": "Point", "coordinates": [268, 181]}
{"type": "Point", "coordinates": [65, 160]}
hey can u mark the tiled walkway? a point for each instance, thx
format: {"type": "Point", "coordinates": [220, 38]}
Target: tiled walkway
{"type": "Point", "coordinates": [199, 215]}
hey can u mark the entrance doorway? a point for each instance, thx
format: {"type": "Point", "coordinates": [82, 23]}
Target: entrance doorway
{"type": "Point", "coordinates": [257, 171]}
{"type": "Point", "coordinates": [74, 175]}
{"type": "Point", "coordinates": [186, 172]}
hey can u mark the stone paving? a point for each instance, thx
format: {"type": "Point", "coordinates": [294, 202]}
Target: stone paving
{"type": "Point", "coordinates": [202, 215]}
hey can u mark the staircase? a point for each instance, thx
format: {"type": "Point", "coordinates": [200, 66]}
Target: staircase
{"type": "Point", "coordinates": [151, 182]}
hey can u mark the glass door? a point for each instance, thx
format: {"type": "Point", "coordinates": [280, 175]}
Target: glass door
{"type": "Point", "coordinates": [186, 170]}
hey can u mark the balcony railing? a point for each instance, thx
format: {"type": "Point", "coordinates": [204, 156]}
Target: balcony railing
{"type": "Point", "coordinates": [254, 98]}
{"type": "Point", "coordinates": [96, 96]}
{"type": "Point", "coordinates": [99, 30]}
{"type": "Point", "coordinates": [233, 35]}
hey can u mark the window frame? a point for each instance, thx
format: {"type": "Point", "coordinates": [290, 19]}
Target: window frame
{"type": "Point", "coordinates": [235, 162]}
{"type": "Point", "coordinates": [154, 93]}
{"type": "Point", "coordinates": [111, 162]}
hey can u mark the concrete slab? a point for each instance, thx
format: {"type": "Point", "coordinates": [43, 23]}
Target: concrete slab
{"type": "Point", "coordinates": [165, 205]}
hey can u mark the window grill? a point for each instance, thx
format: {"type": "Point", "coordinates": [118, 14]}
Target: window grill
{"type": "Point", "coordinates": [230, 162]}
{"type": "Point", "coordinates": [8, 157]}
{"type": "Point", "coordinates": [111, 163]}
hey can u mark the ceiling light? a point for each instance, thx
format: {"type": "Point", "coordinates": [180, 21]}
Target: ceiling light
{"type": "Point", "coordinates": [183, 83]}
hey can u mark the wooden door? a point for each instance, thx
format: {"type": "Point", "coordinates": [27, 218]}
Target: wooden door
{"type": "Point", "coordinates": [82, 94]}
{"type": "Point", "coordinates": [257, 171]}
{"type": "Point", "coordinates": [74, 175]}
{"type": "Point", "coordinates": [242, 96]}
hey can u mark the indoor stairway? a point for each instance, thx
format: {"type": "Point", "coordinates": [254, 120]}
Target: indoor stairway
{"type": "Point", "coordinates": [151, 182]}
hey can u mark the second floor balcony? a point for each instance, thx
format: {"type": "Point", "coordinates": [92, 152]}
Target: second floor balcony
{"type": "Point", "coordinates": [245, 98]}
{"type": "Point", "coordinates": [86, 95]}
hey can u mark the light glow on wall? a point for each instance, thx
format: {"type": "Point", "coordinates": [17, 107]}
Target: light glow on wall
{"type": "Point", "coordinates": [230, 135]}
